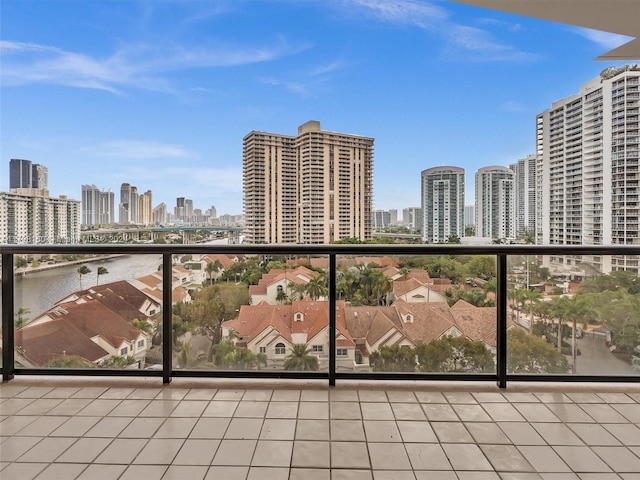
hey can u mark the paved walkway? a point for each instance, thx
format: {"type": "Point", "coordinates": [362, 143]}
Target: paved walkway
{"type": "Point", "coordinates": [108, 429]}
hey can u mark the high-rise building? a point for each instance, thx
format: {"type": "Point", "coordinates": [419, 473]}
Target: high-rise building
{"type": "Point", "coordinates": [469, 215]}
{"type": "Point", "coordinates": [381, 219]}
{"type": "Point", "coordinates": [20, 173]}
{"type": "Point", "coordinates": [134, 214]}
{"type": "Point", "coordinates": [495, 203]}
{"type": "Point", "coordinates": [124, 210]}
{"type": "Point", "coordinates": [25, 174]}
{"type": "Point", "coordinates": [442, 197]}
{"type": "Point", "coordinates": [36, 218]}
{"type": "Point", "coordinates": [160, 214]}
{"type": "Point", "coordinates": [588, 146]}
{"type": "Point", "coordinates": [412, 218]}
{"type": "Point", "coordinates": [525, 194]}
{"type": "Point", "coordinates": [145, 208]}
{"type": "Point", "coordinates": [315, 187]}
{"type": "Point", "coordinates": [97, 206]}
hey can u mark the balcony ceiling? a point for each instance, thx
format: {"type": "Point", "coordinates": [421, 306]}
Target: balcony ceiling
{"type": "Point", "coordinates": [614, 16]}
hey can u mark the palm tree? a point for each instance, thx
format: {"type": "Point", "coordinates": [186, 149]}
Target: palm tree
{"type": "Point", "coordinates": [533, 297]}
{"type": "Point", "coordinates": [20, 316]}
{"type": "Point", "coordinates": [317, 287]}
{"type": "Point", "coordinates": [101, 271]}
{"type": "Point", "coordinates": [83, 270]}
{"type": "Point", "coordinates": [211, 268]}
{"type": "Point", "coordinates": [300, 358]}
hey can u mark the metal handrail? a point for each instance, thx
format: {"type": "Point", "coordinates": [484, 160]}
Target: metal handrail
{"type": "Point", "coordinates": [332, 251]}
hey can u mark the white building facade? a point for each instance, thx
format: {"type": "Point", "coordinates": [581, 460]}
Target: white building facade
{"type": "Point", "coordinates": [442, 197]}
{"type": "Point", "coordinates": [495, 203]}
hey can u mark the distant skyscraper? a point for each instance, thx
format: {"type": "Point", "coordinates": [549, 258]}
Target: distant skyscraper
{"type": "Point", "coordinates": [442, 203]}
{"type": "Point", "coordinates": [39, 176]}
{"type": "Point", "coordinates": [495, 203]}
{"type": "Point", "coordinates": [160, 214]}
{"type": "Point", "coordinates": [412, 218]}
{"type": "Point", "coordinates": [97, 206]}
{"type": "Point", "coordinates": [312, 188]}
{"type": "Point", "coordinates": [134, 214]}
{"type": "Point", "coordinates": [145, 208]}
{"type": "Point", "coordinates": [587, 178]}
{"type": "Point", "coordinates": [381, 219]}
{"type": "Point", "coordinates": [525, 194]}
{"type": "Point", "coordinates": [20, 173]}
{"type": "Point", "coordinates": [124, 211]}
{"type": "Point", "coordinates": [469, 215]}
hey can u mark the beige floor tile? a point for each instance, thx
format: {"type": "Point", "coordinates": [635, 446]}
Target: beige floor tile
{"type": "Point", "coordinates": [251, 409]}
{"type": "Point", "coordinates": [273, 453]}
{"type": "Point", "coordinates": [196, 452]}
{"type": "Point", "coordinates": [427, 456]}
{"type": "Point", "coordinates": [146, 472]}
{"type": "Point", "coordinates": [581, 459]}
{"type": "Point", "coordinates": [122, 451]}
{"type": "Point", "coordinates": [471, 413]}
{"type": "Point", "coordinates": [629, 411]}
{"type": "Point", "coordinates": [109, 427]}
{"type": "Point", "coordinates": [14, 447]}
{"type": "Point", "coordinates": [543, 459]}
{"type": "Point", "coordinates": [343, 395]}
{"type": "Point", "coordinates": [22, 471]}
{"type": "Point", "coordinates": [314, 396]}
{"type": "Point", "coordinates": [244, 428]}
{"type": "Point", "coordinates": [381, 431]}
{"type": "Point", "coordinates": [70, 406]}
{"type": "Point", "coordinates": [47, 450]}
{"type": "Point", "coordinates": [557, 434]}
{"type": "Point", "coordinates": [285, 396]}
{"type": "Point", "coordinates": [593, 434]}
{"type": "Point", "coordinates": [379, 396]}
{"type": "Point", "coordinates": [460, 397]}
{"type": "Point", "coordinates": [142, 428]}
{"type": "Point", "coordinates": [627, 433]}
{"type": "Point", "coordinates": [375, 411]}
{"type": "Point", "coordinates": [603, 413]}
{"type": "Point", "coordinates": [536, 412]}
{"type": "Point", "coordinates": [278, 429]}
{"type": "Point", "coordinates": [99, 408]}
{"type": "Point", "coordinates": [313, 410]}
{"type": "Point", "coordinates": [210, 428]}
{"type": "Point", "coordinates": [282, 410]}
{"type": "Point", "coordinates": [310, 454]}
{"type": "Point", "coordinates": [310, 474]}
{"type": "Point", "coordinates": [521, 433]}
{"type": "Point", "coordinates": [202, 394]}
{"type": "Point", "coordinates": [102, 472]}
{"type": "Point", "coordinates": [129, 408]}
{"type": "Point", "coordinates": [435, 475]}
{"type": "Point", "coordinates": [440, 412]}
{"type": "Point", "coordinates": [85, 450]}
{"type": "Point", "coordinates": [420, 432]}
{"type": "Point", "coordinates": [388, 456]}
{"type": "Point", "coordinates": [401, 396]}
{"type": "Point", "coordinates": [451, 432]}
{"type": "Point", "coordinates": [43, 426]}
{"type": "Point", "coordinates": [268, 473]}
{"type": "Point", "coordinates": [620, 459]}
{"type": "Point", "coordinates": [506, 458]}
{"type": "Point", "coordinates": [466, 456]}
{"type": "Point", "coordinates": [160, 451]}
{"type": "Point", "coordinates": [313, 430]}
{"type": "Point", "coordinates": [219, 408]}
{"type": "Point", "coordinates": [39, 407]}
{"type": "Point", "coordinates": [257, 395]}
{"type": "Point", "coordinates": [234, 452]}
{"type": "Point", "coordinates": [176, 428]}
{"type": "Point", "coordinates": [502, 412]}
{"type": "Point", "coordinates": [227, 394]}
{"type": "Point", "coordinates": [60, 471]}
{"type": "Point", "coordinates": [487, 433]}
{"type": "Point", "coordinates": [158, 408]}
{"type": "Point", "coordinates": [12, 425]}
{"type": "Point", "coordinates": [393, 475]}
{"type": "Point", "coordinates": [569, 412]}
{"type": "Point", "coordinates": [349, 455]}
{"type": "Point", "coordinates": [183, 472]}
{"type": "Point", "coordinates": [75, 427]}
{"type": "Point", "coordinates": [347, 431]}
{"type": "Point", "coordinates": [408, 411]}
{"type": "Point", "coordinates": [227, 473]}
{"type": "Point", "coordinates": [351, 474]}
{"type": "Point", "coordinates": [349, 411]}
{"type": "Point", "coordinates": [430, 397]}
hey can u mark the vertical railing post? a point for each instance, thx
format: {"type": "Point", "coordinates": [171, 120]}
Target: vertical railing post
{"type": "Point", "coordinates": [167, 318]}
{"type": "Point", "coordinates": [501, 302]}
{"type": "Point", "coordinates": [332, 319]}
{"type": "Point", "coordinates": [8, 330]}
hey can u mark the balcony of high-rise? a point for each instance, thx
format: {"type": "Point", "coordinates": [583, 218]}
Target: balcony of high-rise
{"type": "Point", "coordinates": [318, 361]}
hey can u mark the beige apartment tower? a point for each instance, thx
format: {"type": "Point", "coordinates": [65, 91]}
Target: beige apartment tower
{"type": "Point", "coordinates": [313, 188]}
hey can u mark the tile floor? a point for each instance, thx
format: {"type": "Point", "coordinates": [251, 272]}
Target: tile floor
{"type": "Point", "coordinates": [85, 429]}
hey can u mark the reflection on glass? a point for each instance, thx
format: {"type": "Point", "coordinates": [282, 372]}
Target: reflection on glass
{"type": "Point", "coordinates": [75, 311]}
{"type": "Point", "coordinates": [572, 320]}
{"type": "Point", "coordinates": [254, 313]}
{"type": "Point", "coordinates": [419, 313]}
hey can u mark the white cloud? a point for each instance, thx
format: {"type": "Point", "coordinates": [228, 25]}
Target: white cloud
{"type": "Point", "coordinates": [411, 12]}
{"type": "Point", "coordinates": [138, 150]}
{"type": "Point", "coordinates": [482, 46]}
{"type": "Point", "coordinates": [605, 39]}
{"type": "Point", "coordinates": [137, 65]}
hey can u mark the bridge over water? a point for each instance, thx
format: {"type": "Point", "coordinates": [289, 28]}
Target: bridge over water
{"type": "Point", "coordinates": [188, 233]}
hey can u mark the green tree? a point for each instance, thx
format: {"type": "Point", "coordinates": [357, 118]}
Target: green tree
{"type": "Point", "coordinates": [212, 268]}
{"type": "Point", "coordinates": [83, 270]}
{"type": "Point", "coordinates": [482, 266]}
{"type": "Point", "coordinates": [281, 296]}
{"type": "Point", "coordinates": [528, 353]}
{"type": "Point", "coordinates": [393, 358]}
{"type": "Point", "coordinates": [69, 361]}
{"type": "Point", "coordinates": [101, 271]}
{"type": "Point", "coordinates": [115, 361]}
{"type": "Point", "coordinates": [317, 287]}
{"type": "Point", "coordinates": [21, 317]}
{"type": "Point", "coordinates": [20, 262]}
{"type": "Point", "coordinates": [455, 354]}
{"type": "Point", "coordinates": [301, 358]}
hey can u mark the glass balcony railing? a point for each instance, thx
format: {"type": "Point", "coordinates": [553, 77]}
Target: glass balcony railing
{"type": "Point", "coordinates": [412, 312]}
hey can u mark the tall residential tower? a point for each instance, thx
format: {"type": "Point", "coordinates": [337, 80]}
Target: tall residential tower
{"type": "Point", "coordinates": [315, 187]}
{"type": "Point", "coordinates": [495, 203]}
{"type": "Point", "coordinates": [442, 203]}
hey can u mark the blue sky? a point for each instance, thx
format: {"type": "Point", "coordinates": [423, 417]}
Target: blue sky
{"type": "Point", "coordinates": [160, 93]}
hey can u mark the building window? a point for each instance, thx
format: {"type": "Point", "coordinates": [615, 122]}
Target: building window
{"type": "Point", "coordinates": [317, 348]}
{"type": "Point", "coordinates": [280, 349]}
{"type": "Point", "coordinates": [341, 352]}
{"type": "Point", "coordinates": [263, 349]}
{"type": "Point", "coordinates": [152, 312]}
{"type": "Point", "coordinates": [140, 343]}
{"type": "Point", "coordinates": [124, 351]}
{"type": "Point", "coordinates": [298, 317]}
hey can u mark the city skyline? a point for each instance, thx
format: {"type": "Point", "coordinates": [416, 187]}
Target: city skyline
{"type": "Point", "coordinates": [162, 93]}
